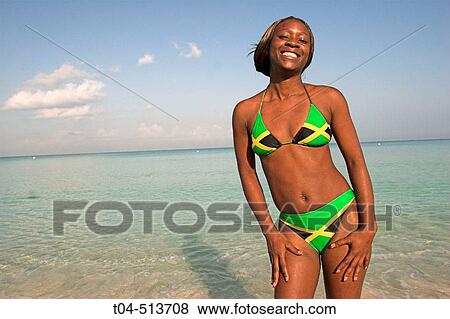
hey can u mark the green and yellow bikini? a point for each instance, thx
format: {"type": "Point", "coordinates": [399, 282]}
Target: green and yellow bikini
{"type": "Point", "coordinates": [319, 226]}
{"type": "Point", "coordinates": [314, 132]}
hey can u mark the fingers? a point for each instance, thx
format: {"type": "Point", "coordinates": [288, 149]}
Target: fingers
{"type": "Point", "coordinates": [271, 258]}
{"type": "Point", "coordinates": [359, 267]}
{"type": "Point", "coordinates": [283, 266]}
{"type": "Point", "coordinates": [278, 260]}
{"type": "Point", "coordinates": [341, 242]}
{"type": "Point", "coordinates": [366, 262]}
{"type": "Point", "coordinates": [293, 249]}
{"type": "Point", "coordinates": [279, 265]}
{"type": "Point", "coordinates": [351, 268]}
{"type": "Point", "coordinates": [344, 264]}
{"type": "Point", "coordinates": [275, 271]}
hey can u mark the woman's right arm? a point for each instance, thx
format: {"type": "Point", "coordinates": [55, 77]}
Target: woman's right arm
{"type": "Point", "coordinates": [277, 243]}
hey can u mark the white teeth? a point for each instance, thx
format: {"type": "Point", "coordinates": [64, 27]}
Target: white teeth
{"type": "Point", "coordinates": [290, 54]}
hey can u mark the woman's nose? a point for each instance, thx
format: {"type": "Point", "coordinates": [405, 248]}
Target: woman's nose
{"type": "Point", "coordinates": [291, 44]}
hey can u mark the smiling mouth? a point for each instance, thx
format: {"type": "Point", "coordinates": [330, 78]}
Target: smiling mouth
{"type": "Point", "coordinates": [289, 54]}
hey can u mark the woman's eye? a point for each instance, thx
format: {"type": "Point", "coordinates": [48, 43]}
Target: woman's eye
{"type": "Point", "coordinates": [283, 36]}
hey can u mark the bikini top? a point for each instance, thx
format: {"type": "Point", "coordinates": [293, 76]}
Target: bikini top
{"type": "Point", "coordinates": [314, 132]}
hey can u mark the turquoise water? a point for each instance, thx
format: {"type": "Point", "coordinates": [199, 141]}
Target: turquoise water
{"type": "Point", "coordinates": [412, 261]}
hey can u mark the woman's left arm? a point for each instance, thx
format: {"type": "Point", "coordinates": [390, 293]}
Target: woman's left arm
{"type": "Point", "coordinates": [360, 241]}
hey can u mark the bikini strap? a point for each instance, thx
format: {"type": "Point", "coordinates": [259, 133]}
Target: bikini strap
{"type": "Point", "coordinates": [307, 93]}
{"type": "Point", "coordinates": [262, 100]}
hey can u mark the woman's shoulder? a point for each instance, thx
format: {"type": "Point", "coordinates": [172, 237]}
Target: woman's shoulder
{"type": "Point", "coordinates": [246, 108]}
{"type": "Point", "coordinates": [251, 101]}
{"type": "Point", "coordinates": [322, 91]}
{"type": "Point", "coordinates": [326, 95]}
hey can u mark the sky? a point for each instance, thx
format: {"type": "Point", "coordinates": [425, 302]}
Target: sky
{"type": "Point", "coordinates": [190, 59]}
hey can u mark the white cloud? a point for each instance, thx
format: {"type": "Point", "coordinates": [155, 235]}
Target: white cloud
{"type": "Point", "coordinates": [75, 112]}
{"type": "Point", "coordinates": [195, 52]}
{"type": "Point", "coordinates": [71, 94]}
{"type": "Point", "coordinates": [63, 73]}
{"type": "Point", "coordinates": [64, 93]}
{"type": "Point", "coordinates": [146, 59]}
{"type": "Point", "coordinates": [147, 130]}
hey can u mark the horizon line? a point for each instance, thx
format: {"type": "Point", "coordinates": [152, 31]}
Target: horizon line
{"type": "Point", "coordinates": [195, 148]}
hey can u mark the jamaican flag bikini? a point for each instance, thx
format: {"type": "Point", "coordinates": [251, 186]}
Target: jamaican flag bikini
{"type": "Point", "coordinates": [314, 132]}
{"type": "Point", "coordinates": [315, 227]}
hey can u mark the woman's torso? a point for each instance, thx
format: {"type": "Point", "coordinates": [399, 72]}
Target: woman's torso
{"type": "Point", "coordinates": [300, 178]}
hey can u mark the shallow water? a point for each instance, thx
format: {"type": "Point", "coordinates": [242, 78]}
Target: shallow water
{"type": "Point", "coordinates": [410, 261]}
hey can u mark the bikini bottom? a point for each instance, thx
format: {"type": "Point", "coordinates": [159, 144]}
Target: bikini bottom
{"type": "Point", "coordinates": [317, 227]}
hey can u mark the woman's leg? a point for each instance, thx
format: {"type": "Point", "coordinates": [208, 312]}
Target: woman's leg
{"type": "Point", "coordinates": [303, 270]}
{"type": "Point", "coordinates": [335, 286]}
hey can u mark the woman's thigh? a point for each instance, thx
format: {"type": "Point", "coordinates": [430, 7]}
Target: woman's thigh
{"type": "Point", "coordinates": [303, 270]}
{"type": "Point", "coordinates": [335, 285]}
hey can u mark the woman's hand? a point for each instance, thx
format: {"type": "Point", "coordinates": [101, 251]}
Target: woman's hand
{"type": "Point", "coordinates": [358, 256]}
{"type": "Point", "coordinates": [277, 244]}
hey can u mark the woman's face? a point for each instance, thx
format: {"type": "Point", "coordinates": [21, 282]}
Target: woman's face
{"type": "Point", "coordinates": [290, 46]}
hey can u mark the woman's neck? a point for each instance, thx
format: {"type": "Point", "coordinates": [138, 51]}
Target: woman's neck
{"type": "Point", "coordinates": [281, 89]}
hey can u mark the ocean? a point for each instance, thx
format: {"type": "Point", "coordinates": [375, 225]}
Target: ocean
{"type": "Point", "coordinates": [157, 259]}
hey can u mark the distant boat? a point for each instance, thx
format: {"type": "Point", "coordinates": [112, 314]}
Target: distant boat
{"type": "Point", "coordinates": [197, 151]}
{"type": "Point", "coordinates": [379, 144]}
{"type": "Point", "coordinates": [34, 157]}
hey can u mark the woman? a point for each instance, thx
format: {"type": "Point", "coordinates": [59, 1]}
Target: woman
{"type": "Point", "coordinates": [323, 220]}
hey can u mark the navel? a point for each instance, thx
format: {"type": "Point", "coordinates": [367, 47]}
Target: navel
{"type": "Point", "coordinates": [304, 197]}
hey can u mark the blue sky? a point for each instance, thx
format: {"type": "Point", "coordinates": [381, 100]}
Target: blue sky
{"type": "Point", "coordinates": [190, 58]}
